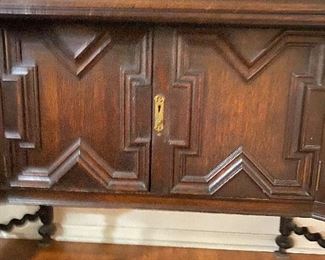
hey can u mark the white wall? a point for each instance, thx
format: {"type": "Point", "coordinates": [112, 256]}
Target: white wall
{"type": "Point", "coordinates": [165, 228]}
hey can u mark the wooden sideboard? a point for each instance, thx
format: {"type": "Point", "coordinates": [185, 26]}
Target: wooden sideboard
{"type": "Point", "coordinates": [208, 105]}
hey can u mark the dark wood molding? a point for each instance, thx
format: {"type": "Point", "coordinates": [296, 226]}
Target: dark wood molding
{"type": "Point", "coordinates": [184, 203]}
{"type": "Point", "coordinates": [20, 96]}
{"type": "Point", "coordinates": [209, 11]}
{"type": "Point", "coordinates": [78, 62]}
{"type": "Point", "coordinates": [79, 153]}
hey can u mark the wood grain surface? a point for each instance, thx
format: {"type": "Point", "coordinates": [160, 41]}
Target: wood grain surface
{"type": "Point", "coordinates": [28, 250]}
{"type": "Point", "coordinates": [243, 115]}
{"type": "Point", "coordinates": [298, 12]}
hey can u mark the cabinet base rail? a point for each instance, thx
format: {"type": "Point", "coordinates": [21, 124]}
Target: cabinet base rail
{"type": "Point", "coordinates": [44, 214]}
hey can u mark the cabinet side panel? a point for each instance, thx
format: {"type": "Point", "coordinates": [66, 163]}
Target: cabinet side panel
{"type": "Point", "coordinates": [2, 143]}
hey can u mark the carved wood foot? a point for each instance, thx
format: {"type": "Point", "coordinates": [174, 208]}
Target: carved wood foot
{"type": "Point", "coordinates": [284, 241]}
{"type": "Point", "coordinates": [45, 214]}
{"type": "Point", "coordinates": [48, 229]}
{"type": "Point", "coordinates": [287, 227]}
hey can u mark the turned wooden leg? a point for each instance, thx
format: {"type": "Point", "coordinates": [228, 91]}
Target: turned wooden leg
{"type": "Point", "coordinates": [48, 228]}
{"type": "Point", "coordinates": [45, 214]}
{"type": "Point", "coordinates": [284, 241]}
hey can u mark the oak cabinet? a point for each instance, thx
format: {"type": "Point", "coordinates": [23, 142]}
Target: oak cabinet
{"type": "Point", "coordinates": [213, 117]}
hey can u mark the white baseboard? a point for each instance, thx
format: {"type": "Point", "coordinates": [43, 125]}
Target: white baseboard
{"type": "Point", "coordinates": [163, 228]}
{"type": "Point", "coordinates": [167, 237]}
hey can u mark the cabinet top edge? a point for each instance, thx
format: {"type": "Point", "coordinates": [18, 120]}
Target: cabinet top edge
{"type": "Point", "coordinates": [268, 12]}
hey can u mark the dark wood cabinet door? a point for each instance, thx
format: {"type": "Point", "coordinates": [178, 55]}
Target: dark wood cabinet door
{"type": "Point", "coordinates": [76, 102]}
{"type": "Point", "coordinates": [244, 112]}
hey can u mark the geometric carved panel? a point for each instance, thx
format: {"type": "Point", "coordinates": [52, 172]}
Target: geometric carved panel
{"type": "Point", "coordinates": [237, 162]}
{"type": "Point", "coordinates": [116, 100]}
{"type": "Point", "coordinates": [82, 155]}
{"type": "Point", "coordinates": [251, 61]}
{"type": "Point", "coordinates": [240, 41]}
{"type": "Point", "coordinates": [305, 117]}
{"type": "Point", "coordinates": [78, 47]}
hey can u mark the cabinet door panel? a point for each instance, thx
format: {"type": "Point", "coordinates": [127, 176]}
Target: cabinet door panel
{"type": "Point", "coordinates": [241, 113]}
{"type": "Point", "coordinates": [76, 101]}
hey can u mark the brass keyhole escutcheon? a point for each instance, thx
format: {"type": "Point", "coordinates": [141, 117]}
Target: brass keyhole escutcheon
{"type": "Point", "coordinates": [159, 102]}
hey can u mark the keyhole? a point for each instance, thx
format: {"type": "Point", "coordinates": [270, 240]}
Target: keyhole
{"type": "Point", "coordinates": [159, 113]}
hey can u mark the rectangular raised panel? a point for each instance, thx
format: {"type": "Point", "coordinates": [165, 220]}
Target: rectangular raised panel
{"type": "Point", "coordinates": [80, 119]}
{"type": "Point", "coordinates": [21, 107]}
{"type": "Point", "coordinates": [245, 111]}
{"type": "Point", "coordinates": [12, 96]}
